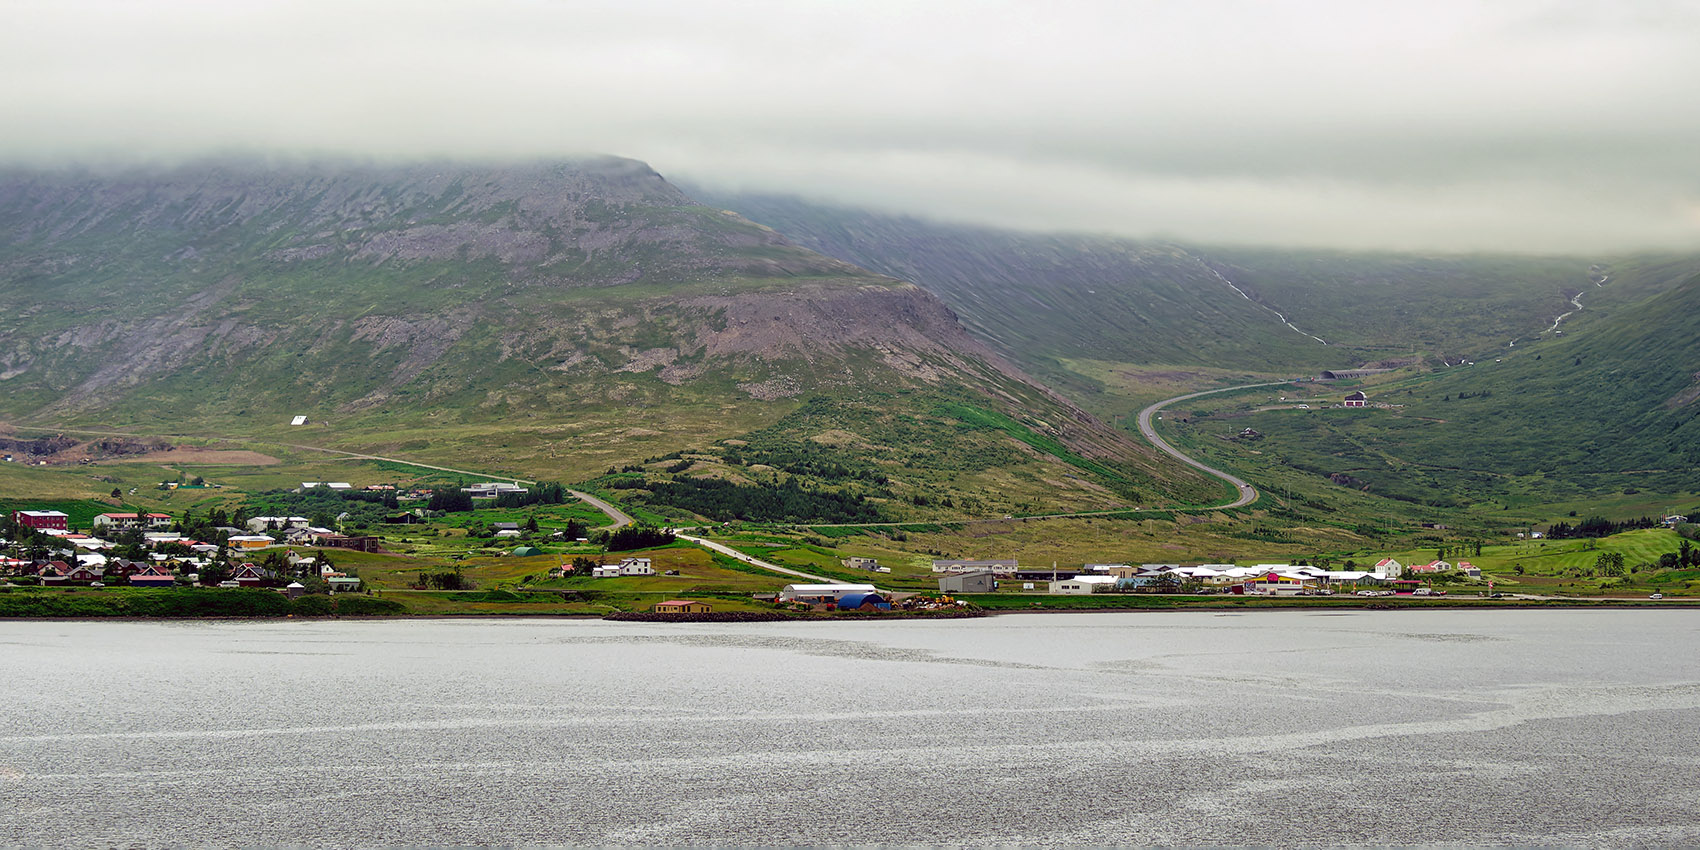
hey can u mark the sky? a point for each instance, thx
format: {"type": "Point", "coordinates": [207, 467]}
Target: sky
{"type": "Point", "coordinates": [1517, 125]}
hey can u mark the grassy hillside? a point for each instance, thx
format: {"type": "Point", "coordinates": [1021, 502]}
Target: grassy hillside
{"type": "Point", "coordinates": [1599, 415]}
{"type": "Point", "coordinates": [549, 321]}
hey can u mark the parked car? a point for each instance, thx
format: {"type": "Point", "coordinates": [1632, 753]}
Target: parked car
{"type": "Point", "coordinates": [1657, 596]}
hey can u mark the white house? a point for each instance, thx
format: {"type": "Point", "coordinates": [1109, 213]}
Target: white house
{"type": "Point", "coordinates": [627, 567]}
{"type": "Point", "coordinates": [1083, 584]}
{"type": "Point", "coordinates": [636, 567]}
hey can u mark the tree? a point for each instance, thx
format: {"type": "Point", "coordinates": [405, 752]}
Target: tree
{"type": "Point", "coordinates": [117, 493]}
{"type": "Point", "coordinates": [531, 523]}
{"type": "Point", "coordinates": [583, 565]}
{"type": "Point", "coordinates": [1609, 564]}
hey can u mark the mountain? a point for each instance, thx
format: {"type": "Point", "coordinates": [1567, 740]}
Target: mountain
{"type": "Point", "coordinates": [1601, 412]}
{"type": "Point", "coordinates": [1075, 309]}
{"type": "Point", "coordinates": [551, 319]}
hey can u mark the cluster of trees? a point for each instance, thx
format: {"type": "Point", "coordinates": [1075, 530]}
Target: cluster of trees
{"type": "Point", "coordinates": [449, 500]}
{"type": "Point", "coordinates": [1598, 526]}
{"type": "Point", "coordinates": [785, 502]}
{"type": "Point", "coordinates": [543, 493]}
{"type": "Point", "coordinates": [637, 537]}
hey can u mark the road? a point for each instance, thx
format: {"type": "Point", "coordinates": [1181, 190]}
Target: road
{"type": "Point", "coordinates": [620, 518]}
{"type": "Point", "coordinates": [752, 561]}
{"type": "Point", "coordinates": [1248, 493]}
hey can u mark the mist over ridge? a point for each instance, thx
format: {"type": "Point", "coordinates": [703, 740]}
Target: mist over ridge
{"type": "Point", "coordinates": [1531, 127]}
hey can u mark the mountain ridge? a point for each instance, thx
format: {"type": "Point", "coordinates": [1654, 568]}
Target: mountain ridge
{"type": "Point", "coordinates": [473, 308]}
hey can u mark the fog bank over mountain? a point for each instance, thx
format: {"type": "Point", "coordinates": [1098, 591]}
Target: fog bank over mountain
{"type": "Point", "coordinates": [1522, 126]}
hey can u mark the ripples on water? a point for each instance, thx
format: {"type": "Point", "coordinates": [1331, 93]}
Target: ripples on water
{"type": "Point", "coordinates": [1270, 728]}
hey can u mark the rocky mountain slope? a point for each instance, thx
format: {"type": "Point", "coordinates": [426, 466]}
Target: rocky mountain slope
{"type": "Point", "coordinates": [553, 318]}
{"type": "Point", "coordinates": [1056, 301]}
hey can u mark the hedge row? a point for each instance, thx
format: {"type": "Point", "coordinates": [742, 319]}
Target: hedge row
{"type": "Point", "coordinates": [189, 602]}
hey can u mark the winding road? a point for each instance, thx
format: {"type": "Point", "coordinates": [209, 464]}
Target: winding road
{"type": "Point", "coordinates": [1247, 493]}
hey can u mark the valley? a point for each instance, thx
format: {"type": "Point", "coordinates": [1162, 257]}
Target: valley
{"type": "Point", "coordinates": [815, 383]}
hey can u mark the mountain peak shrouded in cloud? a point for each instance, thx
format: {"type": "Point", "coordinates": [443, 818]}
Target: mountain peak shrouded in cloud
{"type": "Point", "coordinates": [1523, 126]}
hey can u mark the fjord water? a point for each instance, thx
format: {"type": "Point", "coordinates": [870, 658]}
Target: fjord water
{"type": "Point", "coordinates": [1523, 727]}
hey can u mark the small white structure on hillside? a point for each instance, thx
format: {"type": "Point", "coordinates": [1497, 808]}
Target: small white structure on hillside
{"type": "Point", "coordinates": [299, 420]}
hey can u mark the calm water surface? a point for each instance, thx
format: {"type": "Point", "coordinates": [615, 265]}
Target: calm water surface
{"type": "Point", "coordinates": [1520, 727]}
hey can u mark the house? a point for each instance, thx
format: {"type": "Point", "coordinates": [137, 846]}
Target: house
{"type": "Point", "coordinates": [983, 581]}
{"type": "Point", "coordinates": [1470, 569]}
{"type": "Point", "coordinates": [505, 526]}
{"type": "Point", "coordinates": [1431, 567]}
{"type": "Point", "coordinates": [814, 593]}
{"type": "Point", "coordinates": [1357, 399]}
{"type": "Point", "coordinates": [682, 606]}
{"type": "Point", "coordinates": [1673, 521]}
{"type": "Point", "coordinates": [999, 567]}
{"type": "Point", "coordinates": [605, 571]}
{"type": "Point", "coordinates": [343, 584]}
{"type": "Point", "coordinates": [636, 567]}
{"type": "Point", "coordinates": [492, 489]}
{"type": "Point", "coordinates": [342, 541]}
{"type": "Point", "coordinates": [153, 575]}
{"type": "Point", "coordinates": [84, 572]}
{"type": "Point", "coordinates": [249, 575]}
{"type": "Point", "coordinates": [507, 533]}
{"type": "Point", "coordinates": [1083, 585]}
{"type": "Point", "coordinates": [42, 520]}
{"type": "Point", "coordinates": [872, 565]}
{"type": "Point", "coordinates": [246, 542]}
{"type": "Point", "coordinates": [103, 521]}
{"type": "Point", "coordinates": [1389, 568]}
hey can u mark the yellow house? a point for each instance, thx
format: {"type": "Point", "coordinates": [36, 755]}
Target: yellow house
{"type": "Point", "coordinates": [682, 606]}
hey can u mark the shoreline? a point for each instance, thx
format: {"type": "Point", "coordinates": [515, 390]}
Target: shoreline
{"type": "Point", "coordinates": [1603, 603]}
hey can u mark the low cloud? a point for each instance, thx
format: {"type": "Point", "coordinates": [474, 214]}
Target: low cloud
{"type": "Point", "coordinates": [1532, 126]}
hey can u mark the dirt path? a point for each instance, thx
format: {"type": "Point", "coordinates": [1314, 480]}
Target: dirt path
{"type": "Point", "coordinates": [752, 561]}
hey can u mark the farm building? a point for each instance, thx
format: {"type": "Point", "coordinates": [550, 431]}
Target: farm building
{"type": "Point", "coordinates": [1357, 399]}
{"type": "Point", "coordinates": [822, 592]}
{"type": "Point", "coordinates": [984, 581]}
{"type": "Point", "coordinates": [863, 602]}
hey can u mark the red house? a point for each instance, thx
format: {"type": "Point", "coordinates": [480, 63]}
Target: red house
{"type": "Point", "coordinates": [249, 575]}
{"type": "Point", "coordinates": [42, 520]}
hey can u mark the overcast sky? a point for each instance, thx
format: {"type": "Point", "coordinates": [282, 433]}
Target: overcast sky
{"type": "Point", "coordinates": [1518, 125]}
